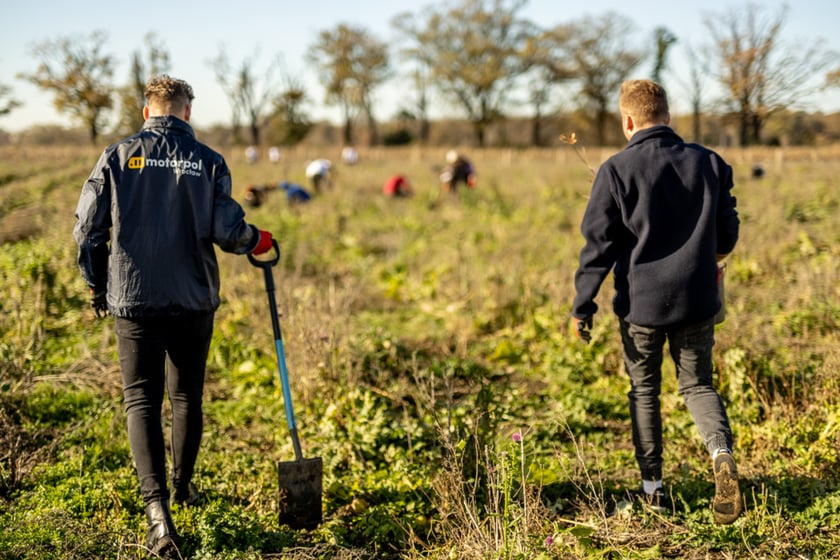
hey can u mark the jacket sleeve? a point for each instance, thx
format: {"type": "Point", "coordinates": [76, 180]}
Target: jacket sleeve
{"type": "Point", "coordinates": [728, 223]}
{"type": "Point", "coordinates": [230, 231]}
{"type": "Point", "coordinates": [93, 226]}
{"type": "Point", "coordinates": [600, 227]}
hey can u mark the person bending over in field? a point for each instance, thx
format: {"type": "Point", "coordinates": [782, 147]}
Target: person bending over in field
{"type": "Point", "coordinates": [660, 217]}
{"type": "Point", "coordinates": [319, 173]}
{"type": "Point", "coordinates": [397, 186]}
{"type": "Point", "coordinates": [295, 194]}
{"type": "Point", "coordinates": [255, 195]}
{"type": "Point", "coordinates": [458, 171]}
{"type": "Point", "coordinates": [148, 218]}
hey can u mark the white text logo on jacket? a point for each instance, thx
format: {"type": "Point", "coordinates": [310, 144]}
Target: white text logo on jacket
{"type": "Point", "coordinates": [176, 165]}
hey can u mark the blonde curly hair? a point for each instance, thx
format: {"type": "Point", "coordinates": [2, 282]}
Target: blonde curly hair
{"type": "Point", "coordinates": [168, 93]}
{"type": "Point", "coordinates": [644, 100]}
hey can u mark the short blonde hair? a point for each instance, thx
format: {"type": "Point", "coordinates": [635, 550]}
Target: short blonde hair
{"type": "Point", "coordinates": [168, 93]}
{"type": "Point", "coordinates": [645, 101]}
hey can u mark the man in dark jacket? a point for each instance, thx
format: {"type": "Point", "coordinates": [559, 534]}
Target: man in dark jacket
{"type": "Point", "coordinates": [660, 217]}
{"type": "Point", "coordinates": [148, 217]}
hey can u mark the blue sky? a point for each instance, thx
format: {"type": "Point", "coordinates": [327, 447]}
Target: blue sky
{"type": "Point", "coordinates": [192, 32]}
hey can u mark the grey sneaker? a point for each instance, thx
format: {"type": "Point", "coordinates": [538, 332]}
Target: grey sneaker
{"type": "Point", "coordinates": [727, 504]}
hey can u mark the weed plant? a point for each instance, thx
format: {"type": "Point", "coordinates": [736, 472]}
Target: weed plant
{"type": "Point", "coordinates": [433, 371]}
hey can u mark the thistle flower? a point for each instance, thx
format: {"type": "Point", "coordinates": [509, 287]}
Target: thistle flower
{"type": "Point", "coordinates": [571, 139]}
{"type": "Point", "coordinates": [517, 437]}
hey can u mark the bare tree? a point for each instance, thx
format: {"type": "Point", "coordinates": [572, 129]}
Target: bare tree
{"type": "Point", "coordinates": [79, 75]}
{"type": "Point", "coordinates": [473, 52]}
{"type": "Point", "coordinates": [422, 83]}
{"type": "Point", "coordinates": [601, 59]}
{"type": "Point", "coordinates": [545, 66]}
{"type": "Point", "coordinates": [7, 103]}
{"type": "Point", "coordinates": [759, 74]}
{"type": "Point", "coordinates": [696, 82]}
{"type": "Point", "coordinates": [420, 57]}
{"type": "Point", "coordinates": [352, 63]}
{"type": "Point", "coordinates": [289, 123]}
{"type": "Point", "coordinates": [663, 40]}
{"type": "Point", "coordinates": [249, 93]}
{"type": "Point", "coordinates": [131, 95]}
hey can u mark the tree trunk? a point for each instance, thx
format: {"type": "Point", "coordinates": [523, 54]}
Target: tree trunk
{"type": "Point", "coordinates": [756, 128]}
{"type": "Point", "coordinates": [536, 130]}
{"type": "Point", "coordinates": [695, 117]}
{"type": "Point", "coordinates": [480, 133]}
{"type": "Point", "coordinates": [425, 130]}
{"type": "Point", "coordinates": [373, 130]}
{"type": "Point", "coordinates": [255, 134]}
{"type": "Point", "coordinates": [348, 132]}
{"type": "Point", "coordinates": [600, 125]}
{"type": "Point", "coordinates": [744, 128]}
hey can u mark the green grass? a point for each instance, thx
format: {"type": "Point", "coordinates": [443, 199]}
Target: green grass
{"type": "Point", "coordinates": [421, 335]}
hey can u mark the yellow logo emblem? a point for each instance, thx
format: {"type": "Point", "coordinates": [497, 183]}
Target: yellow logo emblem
{"type": "Point", "coordinates": [136, 162]}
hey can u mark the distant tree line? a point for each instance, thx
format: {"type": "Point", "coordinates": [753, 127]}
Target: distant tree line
{"type": "Point", "coordinates": [479, 56]}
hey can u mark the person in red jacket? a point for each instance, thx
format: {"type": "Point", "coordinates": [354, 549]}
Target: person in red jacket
{"type": "Point", "coordinates": [148, 218]}
{"type": "Point", "coordinates": [660, 217]}
{"type": "Point", "coordinates": [397, 186]}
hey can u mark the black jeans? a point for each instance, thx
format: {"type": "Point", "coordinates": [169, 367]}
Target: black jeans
{"type": "Point", "coordinates": [691, 350]}
{"type": "Point", "coordinates": [155, 354]}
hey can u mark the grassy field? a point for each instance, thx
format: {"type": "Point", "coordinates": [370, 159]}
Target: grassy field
{"type": "Point", "coordinates": [433, 371]}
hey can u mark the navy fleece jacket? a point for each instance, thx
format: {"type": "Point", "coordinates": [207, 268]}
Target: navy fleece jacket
{"type": "Point", "coordinates": [660, 212]}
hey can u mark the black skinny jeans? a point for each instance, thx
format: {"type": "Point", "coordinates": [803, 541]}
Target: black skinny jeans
{"type": "Point", "coordinates": [691, 349]}
{"type": "Point", "coordinates": [155, 354]}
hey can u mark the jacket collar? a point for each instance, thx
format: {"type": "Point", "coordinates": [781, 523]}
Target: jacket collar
{"type": "Point", "coordinates": [170, 122]}
{"type": "Point", "coordinates": [658, 131]}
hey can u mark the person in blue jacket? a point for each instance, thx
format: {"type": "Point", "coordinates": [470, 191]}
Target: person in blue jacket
{"type": "Point", "coordinates": [256, 195]}
{"type": "Point", "coordinates": [660, 217]}
{"type": "Point", "coordinates": [295, 194]}
{"type": "Point", "coordinates": [148, 217]}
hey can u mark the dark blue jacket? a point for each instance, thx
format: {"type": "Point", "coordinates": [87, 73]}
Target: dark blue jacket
{"type": "Point", "coordinates": [148, 218]}
{"type": "Point", "coordinates": [295, 193]}
{"type": "Point", "coordinates": [659, 213]}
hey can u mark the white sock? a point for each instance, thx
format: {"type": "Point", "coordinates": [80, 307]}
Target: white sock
{"type": "Point", "coordinates": [719, 451]}
{"type": "Point", "coordinates": [651, 486]}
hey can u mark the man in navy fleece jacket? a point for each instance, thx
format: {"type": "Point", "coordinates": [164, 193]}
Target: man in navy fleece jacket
{"type": "Point", "coordinates": [660, 217]}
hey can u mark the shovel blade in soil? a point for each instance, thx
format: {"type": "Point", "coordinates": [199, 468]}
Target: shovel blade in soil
{"type": "Point", "coordinates": [300, 485]}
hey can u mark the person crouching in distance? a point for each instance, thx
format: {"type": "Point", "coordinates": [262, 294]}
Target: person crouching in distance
{"type": "Point", "coordinates": [459, 170]}
{"type": "Point", "coordinates": [397, 186]}
{"type": "Point", "coordinates": [319, 173]}
{"type": "Point", "coordinates": [295, 194]}
{"type": "Point", "coordinates": [255, 195]}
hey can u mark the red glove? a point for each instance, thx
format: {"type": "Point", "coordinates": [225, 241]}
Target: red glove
{"type": "Point", "coordinates": [264, 243]}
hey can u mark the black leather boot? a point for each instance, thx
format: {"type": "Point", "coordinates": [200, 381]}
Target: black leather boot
{"type": "Point", "coordinates": [162, 538]}
{"type": "Point", "coordinates": [185, 495]}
